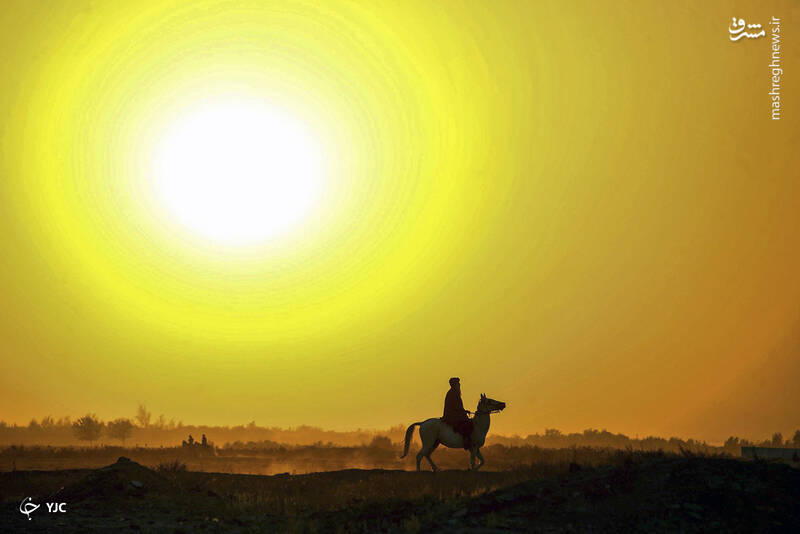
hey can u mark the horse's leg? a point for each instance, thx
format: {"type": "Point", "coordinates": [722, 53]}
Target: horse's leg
{"type": "Point", "coordinates": [480, 457]}
{"type": "Point", "coordinates": [472, 458]}
{"type": "Point", "coordinates": [433, 465]}
{"type": "Point", "coordinates": [428, 456]}
{"type": "Point", "coordinates": [426, 450]}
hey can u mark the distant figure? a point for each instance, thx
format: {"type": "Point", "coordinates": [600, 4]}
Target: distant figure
{"type": "Point", "coordinates": [191, 440]}
{"type": "Point", "coordinates": [204, 441]}
{"type": "Point", "coordinates": [454, 413]}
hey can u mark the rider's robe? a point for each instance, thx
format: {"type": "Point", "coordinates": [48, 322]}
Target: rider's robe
{"type": "Point", "coordinates": [456, 416]}
{"type": "Point", "coordinates": [454, 411]}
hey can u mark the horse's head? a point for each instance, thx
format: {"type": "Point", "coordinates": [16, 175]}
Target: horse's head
{"type": "Point", "coordinates": [490, 405]}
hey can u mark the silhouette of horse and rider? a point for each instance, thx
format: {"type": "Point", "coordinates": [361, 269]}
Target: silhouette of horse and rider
{"type": "Point", "coordinates": [455, 429]}
{"type": "Point", "coordinates": [192, 443]}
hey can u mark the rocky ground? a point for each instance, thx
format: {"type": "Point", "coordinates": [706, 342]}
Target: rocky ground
{"type": "Point", "coordinates": [639, 492]}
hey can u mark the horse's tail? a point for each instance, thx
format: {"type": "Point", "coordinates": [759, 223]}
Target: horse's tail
{"type": "Point", "coordinates": [409, 433]}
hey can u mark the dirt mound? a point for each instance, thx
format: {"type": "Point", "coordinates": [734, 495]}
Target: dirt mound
{"type": "Point", "coordinates": [122, 479]}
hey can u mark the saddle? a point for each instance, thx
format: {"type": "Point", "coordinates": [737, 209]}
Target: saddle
{"type": "Point", "coordinates": [463, 427]}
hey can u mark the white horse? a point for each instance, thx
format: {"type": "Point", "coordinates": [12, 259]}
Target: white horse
{"type": "Point", "coordinates": [434, 431]}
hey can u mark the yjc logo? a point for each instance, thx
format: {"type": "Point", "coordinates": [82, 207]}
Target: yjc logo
{"type": "Point", "coordinates": [27, 507]}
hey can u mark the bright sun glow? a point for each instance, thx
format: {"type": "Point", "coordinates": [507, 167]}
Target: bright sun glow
{"type": "Point", "coordinates": [238, 173]}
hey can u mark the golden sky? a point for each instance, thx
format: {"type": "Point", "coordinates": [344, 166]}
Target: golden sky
{"type": "Point", "coordinates": [580, 208]}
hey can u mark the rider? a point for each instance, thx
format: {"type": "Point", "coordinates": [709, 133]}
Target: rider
{"type": "Point", "coordinates": [454, 413]}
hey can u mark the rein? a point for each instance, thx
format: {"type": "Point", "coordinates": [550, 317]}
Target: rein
{"type": "Point", "coordinates": [487, 413]}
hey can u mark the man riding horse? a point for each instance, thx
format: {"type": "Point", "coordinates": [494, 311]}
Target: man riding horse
{"type": "Point", "coordinates": [455, 429]}
{"type": "Point", "coordinates": [454, 413]}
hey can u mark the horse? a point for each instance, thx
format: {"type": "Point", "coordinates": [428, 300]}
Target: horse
{"type": "Point", "coordinates": [434, 431]}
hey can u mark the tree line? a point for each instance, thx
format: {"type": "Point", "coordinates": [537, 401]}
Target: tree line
{"type": "Point", "coordinates": [151, 431]}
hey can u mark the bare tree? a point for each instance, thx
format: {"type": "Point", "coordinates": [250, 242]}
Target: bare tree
{"type": "Point", "coordinates": [732, 445]}
{"type": "Point", "coordinates": [120, 429]}
{"type": "Point", "coordinates": [143, 416]}
{"type": "Point", "coordinates": [88, 428]}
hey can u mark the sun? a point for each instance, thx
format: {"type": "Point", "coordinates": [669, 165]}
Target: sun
{"type": "Point", "coordinates": [237, 172]}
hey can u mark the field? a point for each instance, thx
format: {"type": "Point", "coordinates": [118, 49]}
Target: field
{"type": "Point", "coordinates": [566, 490]}
{"type": "Point", "coordinates": [292, 459]}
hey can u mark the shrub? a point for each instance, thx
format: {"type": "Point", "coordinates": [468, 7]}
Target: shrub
{"type": "Point", "coordinates": [175, 466]}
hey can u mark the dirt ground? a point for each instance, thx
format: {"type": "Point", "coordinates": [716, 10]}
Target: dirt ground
{"type": "Point", "coordinates": [637, 492]}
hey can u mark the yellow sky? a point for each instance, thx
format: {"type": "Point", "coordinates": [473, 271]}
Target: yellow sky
{"type": "Point", "coordinates": [580, 208]}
